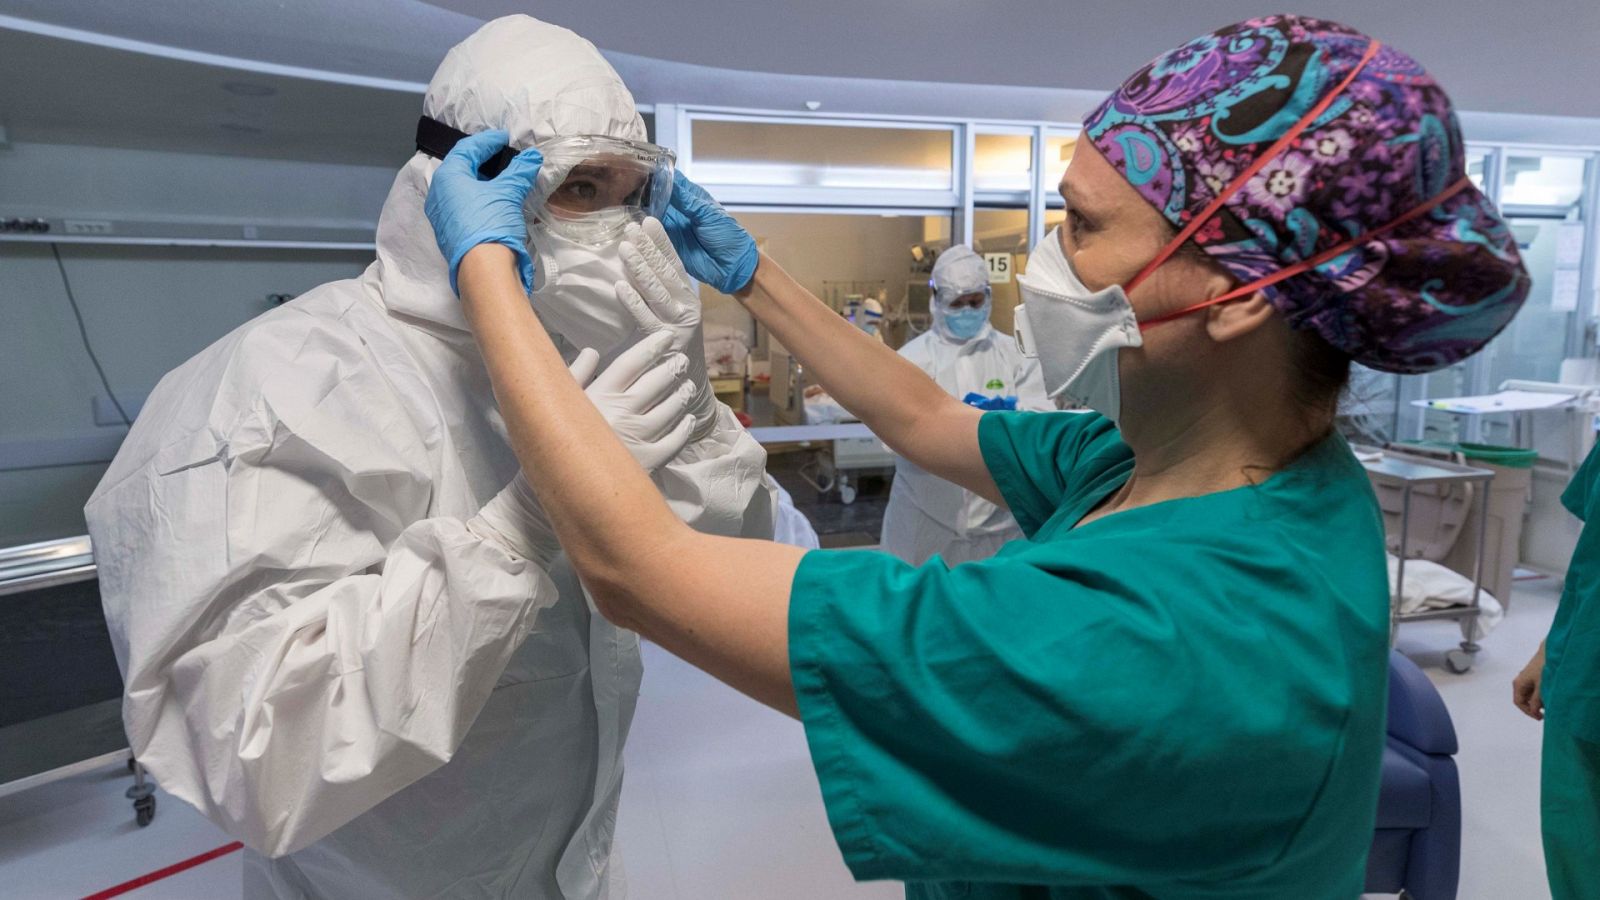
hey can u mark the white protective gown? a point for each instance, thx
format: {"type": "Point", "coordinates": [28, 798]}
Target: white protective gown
{"type": "Point", "coordinates": [928, 516]}
{"type": "Point", "coordinates": [318, 654]}
{"type": "Point", "coordinates": [790, 525]}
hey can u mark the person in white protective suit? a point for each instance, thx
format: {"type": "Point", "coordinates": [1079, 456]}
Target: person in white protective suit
{"type": "Point", "coordinates": [330, 647]}
{"type": "Point", "coordinates": [928, 516]}
{"type": "Point", "coordinates": [790, 525]}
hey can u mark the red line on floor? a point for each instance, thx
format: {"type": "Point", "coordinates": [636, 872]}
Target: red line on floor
{"type": "Point", "coordinates": [168, 872]}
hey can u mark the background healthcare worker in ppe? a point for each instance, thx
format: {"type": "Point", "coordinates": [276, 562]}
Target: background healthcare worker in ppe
{"type": "Point", "coordinates": [1561, 687]}
{"type": "Point", "coordinates": [1175, 686]}
{"type": "Point", "coordinates": [927, 515]}
{"type": "Point", "coordinates": [333, 645]}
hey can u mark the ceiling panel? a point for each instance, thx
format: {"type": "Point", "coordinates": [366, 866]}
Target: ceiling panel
{"type": "Point", "coordinates": [66, 92]}
{"type": "Point", "coordinates": [1491, 56]}
{"type": "Point", "coordinates": [1541, 62]}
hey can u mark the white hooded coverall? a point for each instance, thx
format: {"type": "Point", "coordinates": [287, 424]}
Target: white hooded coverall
{"type": "Point", "coordinates": [928, 516]}
{"type": "Point", "coordinates": [317, 653]}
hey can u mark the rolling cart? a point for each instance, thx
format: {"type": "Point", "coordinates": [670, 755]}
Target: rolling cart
{"type": "Point", "coordinates": [1406, 474]}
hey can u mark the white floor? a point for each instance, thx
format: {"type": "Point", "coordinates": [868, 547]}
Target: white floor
{"type": "Point", "coordinates": [721, 803]}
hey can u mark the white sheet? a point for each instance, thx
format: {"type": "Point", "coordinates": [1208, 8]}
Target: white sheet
{"type": "Point", "coordinates": [1432, 586]}
{"type": "Point", "coordinates": [822, 409]}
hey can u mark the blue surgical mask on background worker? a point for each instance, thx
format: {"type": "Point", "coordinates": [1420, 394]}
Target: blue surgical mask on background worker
{"type": "Point", "coordinates": [960, 277]}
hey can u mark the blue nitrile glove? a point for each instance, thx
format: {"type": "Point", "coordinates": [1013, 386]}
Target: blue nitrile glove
{"type": "Point", "coordinates": [467, 211]}
{"type": "Point", "coordinates": [989, 404]}
{"type": "Point", "coordinates": [714, 248]}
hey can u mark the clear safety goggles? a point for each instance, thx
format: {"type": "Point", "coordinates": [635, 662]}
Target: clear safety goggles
{"type": "Point", "coordinates": [589, 187]}
{"type": "Point", "coordinates": [973, 299]}
{"type": "Point", "coordinates": [592, 186]}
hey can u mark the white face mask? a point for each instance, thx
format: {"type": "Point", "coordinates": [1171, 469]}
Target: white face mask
{"type": "Point", "coordinates": [575, 292]}
{"type": "Point", "coordinates": [1075, 333]}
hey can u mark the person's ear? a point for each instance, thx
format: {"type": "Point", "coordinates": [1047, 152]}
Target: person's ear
{"type": "Point", "coordinates": [1236, 318]}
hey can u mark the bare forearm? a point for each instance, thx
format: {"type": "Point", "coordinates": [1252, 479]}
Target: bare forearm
{"type": "Point", "coordinates": [603, 507]}
{"type": "Point", "coordinates": [719, 603]}
{"type": "Point", "coordinates": [730, 615]}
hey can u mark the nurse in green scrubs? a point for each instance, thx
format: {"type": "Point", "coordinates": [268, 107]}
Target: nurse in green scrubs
{"type": "Point", "coordinates": [1561, 686]}
{"type": "Point", "coordinates": [1174, 686]}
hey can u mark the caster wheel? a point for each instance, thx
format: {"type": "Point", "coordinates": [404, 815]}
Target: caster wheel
{"type": "Point", "coordinates": [144, 810]}
{"type": "Point", "coordinates": [847, 494]}
{"type": "Point", "coordinates": [1458, 661]}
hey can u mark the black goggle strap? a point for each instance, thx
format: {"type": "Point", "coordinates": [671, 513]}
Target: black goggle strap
{"type": "Point", "coordinates": [436, 139]}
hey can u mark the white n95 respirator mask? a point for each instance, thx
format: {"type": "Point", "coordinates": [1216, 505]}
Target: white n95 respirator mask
{"type": "Point", "coordinates": [575, 294]}
{"type": "Point", "coordinates": [1074, 332]}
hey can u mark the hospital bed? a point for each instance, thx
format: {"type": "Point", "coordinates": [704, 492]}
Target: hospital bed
{"type": "Point", "coordinates": [809, 414]}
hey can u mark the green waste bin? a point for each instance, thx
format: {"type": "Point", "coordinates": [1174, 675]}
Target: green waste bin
{"type": "Point", "coordinates": [1493, 454]}
{"type": "Point", "coordinates": [1508, 497]}
{"type": "Point", "coordinates": [1505, 457]}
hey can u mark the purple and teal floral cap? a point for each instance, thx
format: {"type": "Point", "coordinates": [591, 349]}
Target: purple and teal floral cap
{"type": "Point", "coordinates": [1417, 297]}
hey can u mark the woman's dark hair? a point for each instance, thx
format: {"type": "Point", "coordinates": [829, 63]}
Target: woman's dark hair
{"type": "Point", "coordinates": [1322, 372]}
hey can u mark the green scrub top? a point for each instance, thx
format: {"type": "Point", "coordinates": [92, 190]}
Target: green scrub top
{"type": "Point", "coordinates": [1184, 700]}
{"type": "Point", "coordinates": [1571, 684]}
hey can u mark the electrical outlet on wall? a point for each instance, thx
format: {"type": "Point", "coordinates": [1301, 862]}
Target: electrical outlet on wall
{"type": "Point", "coordinates": [87, 226]}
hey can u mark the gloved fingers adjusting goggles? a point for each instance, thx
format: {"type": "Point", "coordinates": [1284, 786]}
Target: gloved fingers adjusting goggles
{"type": "Point", "coordinates": [590, 186]}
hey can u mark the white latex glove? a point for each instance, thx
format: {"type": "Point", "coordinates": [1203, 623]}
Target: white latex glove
{"type": "Point", "coordinates": [514, 519]}
{"type": "Point", "coordinates": [662, 299]}
{"type": "Point", "coordinates": [643, 396]}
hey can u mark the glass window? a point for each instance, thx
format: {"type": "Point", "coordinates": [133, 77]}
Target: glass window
{"type": "Point", "coordinates": [825, 156]}
{"type": "Point", "coordinates": [1533, 346]}
{"type": "Point", "coordinates": [1421, 423]}
{"type": "Point", "coordinates": [1555, 181]}
{"type": "Point", "coordinates": [1369, 408]}
{"type": "Point", "coordinates": [1432, 424]}
{"type": "Point", "coordinates": [1002, 231]}
{"type": "Point", "coordinates": [1477, 166]}
{"type": "Point", "coordinates": [846, 257]}
{"type": "Point", "coordinates": [996, 230]}
{"type": "Point", "coordinates": [1057, 153]}
{"type": "Point", "coordinates": [1002, 162]}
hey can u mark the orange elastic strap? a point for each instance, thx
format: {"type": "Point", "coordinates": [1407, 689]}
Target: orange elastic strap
{"type": "Point", "coordinates": [1319, 259]}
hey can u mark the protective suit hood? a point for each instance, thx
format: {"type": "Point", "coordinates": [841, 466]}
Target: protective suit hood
{"type": "Point", "coordinates": [957, 272]}
{"type": "Point", "coordinates": [533, 79]}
